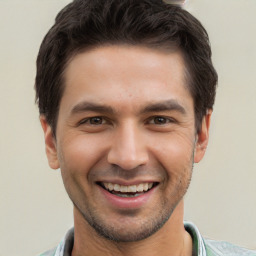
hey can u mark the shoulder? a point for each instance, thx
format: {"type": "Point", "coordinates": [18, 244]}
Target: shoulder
{"type": "Point", "coordinates": [49, 252]}
{"type": "Point", "coordinates": [64, 247]}
{"type": "Point", "coordinates": [218, 248]}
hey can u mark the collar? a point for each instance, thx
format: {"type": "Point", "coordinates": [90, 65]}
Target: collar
{"type": "Point", "coordinates": [66, 246]}
{"type": "Point", "coordinates": [198, 242]}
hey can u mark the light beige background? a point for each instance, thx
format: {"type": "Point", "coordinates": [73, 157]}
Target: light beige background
{"type": "Point", "coordinates": [35, 212]}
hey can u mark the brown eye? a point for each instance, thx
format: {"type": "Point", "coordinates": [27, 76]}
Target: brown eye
{"type": "Point", "coordinates": [160, 120]}
{"type": "Point", "coordinates": [95, 120]}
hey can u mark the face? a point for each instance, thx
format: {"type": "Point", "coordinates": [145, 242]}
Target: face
{"type": "Point", "coordinates": [126, 139]}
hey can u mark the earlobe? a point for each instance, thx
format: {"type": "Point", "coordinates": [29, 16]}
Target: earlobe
{"type": "Point", "coordinates": [202, 137]}
{"type": "Point", "coordinates": [50, 144]}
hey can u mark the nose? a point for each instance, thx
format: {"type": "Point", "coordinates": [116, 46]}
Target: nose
{"type": "Point", "coordinates": [128, 148]}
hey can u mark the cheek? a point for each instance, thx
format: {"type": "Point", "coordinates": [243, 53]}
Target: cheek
{"type": "Point", "coordinates": [176, 157]}
{"type": "Point", "coordinates": [175, 153]}
{"type": "Point", "coordinates": [78, 154]}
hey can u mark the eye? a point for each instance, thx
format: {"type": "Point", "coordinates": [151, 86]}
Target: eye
{"type": "Point", "coordinates": [160, 120]}
{"type": "Point", "coordinates": [96, 120]}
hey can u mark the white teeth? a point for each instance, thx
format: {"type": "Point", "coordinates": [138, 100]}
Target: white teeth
{"type": "Point", "coordinates": [117, 187]}
{"type": "Point", "coordinates": [140, 188]}
{"type": "Point", "coordinates": [132, 188]}
{"type": "Point", "coordinates": [145, 186]}
{"type": "Point", "coordinates": [124, 189]}
{"type": "Point", "coordinates": [110, 186]}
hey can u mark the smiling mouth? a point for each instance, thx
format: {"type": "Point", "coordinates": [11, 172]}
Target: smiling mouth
{"type": "Point", "coordinates": [128, 191]}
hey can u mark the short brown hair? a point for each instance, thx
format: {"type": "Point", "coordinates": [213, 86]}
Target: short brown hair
{"type": "Point", "coordinates": [85, 24]}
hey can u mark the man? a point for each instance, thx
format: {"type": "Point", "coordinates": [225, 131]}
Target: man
{"type": "Point", "coordinates": [125, 90]}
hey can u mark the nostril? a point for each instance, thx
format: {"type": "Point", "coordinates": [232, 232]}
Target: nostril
{"type": "Point", "coordinates": [127, 162]}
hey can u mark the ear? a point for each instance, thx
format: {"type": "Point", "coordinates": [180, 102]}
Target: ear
{"type": "Point", "coordinates": [50, 144]}
{"type": "Point", "coordinates": [202, 137]}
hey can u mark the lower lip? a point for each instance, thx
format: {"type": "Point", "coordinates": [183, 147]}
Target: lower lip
{"type": "Point", "coordinates": [127, 202]}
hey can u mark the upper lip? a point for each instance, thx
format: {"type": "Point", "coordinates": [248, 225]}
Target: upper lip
{"type": "Point", "coordinates": [128, 183]}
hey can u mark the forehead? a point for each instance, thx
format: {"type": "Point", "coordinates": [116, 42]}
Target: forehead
{"type": "Point", "coordinates": [129, 59]}
{"type": "Point", "coordinates": [131, 75]}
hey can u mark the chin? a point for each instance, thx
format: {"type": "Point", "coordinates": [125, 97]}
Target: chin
{"type": "Point", "coordinates": [127, 229]}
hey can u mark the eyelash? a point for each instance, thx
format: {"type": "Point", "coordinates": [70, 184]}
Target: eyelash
{"type": "Point", "coordinates": [165, 119]}
{"type": "Point", "coordinates": [103, 120]}
{"type": "Point", "coordinates": [88, 120]}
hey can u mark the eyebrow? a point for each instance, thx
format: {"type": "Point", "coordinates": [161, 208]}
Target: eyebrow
{"type": "Point", "coordinates": [90, 106]}
{"type": "Point", "coordinates": [168, 105]}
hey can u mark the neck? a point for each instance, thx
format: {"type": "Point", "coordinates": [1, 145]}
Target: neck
{"type": "Point", "coordinates": [171, 239]}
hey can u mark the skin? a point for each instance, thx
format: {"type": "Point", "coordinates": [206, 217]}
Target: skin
{"type": "Point", "coordinates": [127, 117]}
